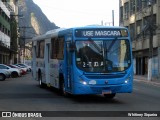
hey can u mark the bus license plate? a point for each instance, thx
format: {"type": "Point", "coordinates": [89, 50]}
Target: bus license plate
{"type": "Point", "coordinates": [106, 92]}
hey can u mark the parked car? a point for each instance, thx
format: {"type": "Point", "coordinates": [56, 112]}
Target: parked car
{"type": "Point", "coordinates": [4, 74]}
{"type": "Point", "coordinates": [24, 65]}
{"type": "Point", "coordinates": [23, 71]}
{"type": "Point", "coordinates": [14, 71]}
{"type": "Point", "coordinates": [24, 68]}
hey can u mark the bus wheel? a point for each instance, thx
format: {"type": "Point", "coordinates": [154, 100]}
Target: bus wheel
{"type": "Point", "coordinates": [110, 96]}
{"type": "Point", "coordinates": [62, 89]}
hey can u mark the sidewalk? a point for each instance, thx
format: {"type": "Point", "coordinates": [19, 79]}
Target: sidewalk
{"type": "Point", "coordinates": [144, 78]}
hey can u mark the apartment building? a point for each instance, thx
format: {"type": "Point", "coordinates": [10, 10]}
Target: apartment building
{"type": "Point", "coordinates": [8, 32]}
{"type": "Point", "coordinates": [4, 33]}
{"type": "Point", "coordinates": [142, 18]}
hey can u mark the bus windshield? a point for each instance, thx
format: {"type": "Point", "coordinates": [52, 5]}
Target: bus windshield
{"type": "Point", "coordinates": [103, 56]}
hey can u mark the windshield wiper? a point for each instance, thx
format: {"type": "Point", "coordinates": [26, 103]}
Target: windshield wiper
{"type": "Point", "coordinates": [113, 42]}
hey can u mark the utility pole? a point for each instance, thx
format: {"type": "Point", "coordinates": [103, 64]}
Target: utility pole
{"type": "Point", "coordinates": [150, 42]}
{"type": "Point", "coordinates": [113, 17]}
{"type": "Point", "coordinates": [102, 22]}
{"type": "Point", "coordinates": [24, 41]}
{"type": "Point", "coordinates": [14, 36]}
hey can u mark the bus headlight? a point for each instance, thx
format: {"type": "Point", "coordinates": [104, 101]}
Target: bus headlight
{"type": "Point", "coordinates": [127, 80]}
{"type": "Point", "coordinates": [83, 82]}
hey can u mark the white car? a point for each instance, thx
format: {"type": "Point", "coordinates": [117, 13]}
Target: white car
{"type": "Point", "coordinates": [26, 66]}
{"type": "Point", "coordinates": [4, 74]}
{"type": "Point", "coordinates": [14, 71]}
{"type": "Point", "coordinates": [22, 67]}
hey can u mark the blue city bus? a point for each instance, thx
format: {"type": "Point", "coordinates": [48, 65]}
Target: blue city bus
{"type": "Point", "coordinates": [84, 60]}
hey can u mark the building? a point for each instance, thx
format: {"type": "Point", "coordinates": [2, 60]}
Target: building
{"type": "Point", "coordinates": [14, 31]}
{"type": "Point", "coordinates": [142, 18]}
{"type": "Point", "coordinates": [4, 33]}
{"type": "Point", "coordinates": [8, 32]}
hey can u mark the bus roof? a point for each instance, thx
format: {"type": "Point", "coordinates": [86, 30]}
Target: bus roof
{"type": "Point", "coordinates": [99, 26]}
{"type": "Point", "coordinates": [55, 32]}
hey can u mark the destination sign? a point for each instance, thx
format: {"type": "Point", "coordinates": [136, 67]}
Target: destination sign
{"type": "Point", "coordinates": [101, 33]}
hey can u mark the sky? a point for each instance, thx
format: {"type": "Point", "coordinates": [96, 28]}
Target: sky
{"type": "Point", "coordinates": [73, 13]}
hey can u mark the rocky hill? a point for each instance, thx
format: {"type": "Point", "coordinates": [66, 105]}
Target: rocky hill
{"type": "Point", "coordinates": [33, 17]}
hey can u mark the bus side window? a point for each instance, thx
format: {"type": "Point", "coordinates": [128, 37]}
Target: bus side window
{"type": "Point", "coordinates": [40, 49]}
{"type": "Point", "coordinates": [54, 48]}
{"type": "Point", "coordinates": [57, 48]}
{"type": "Point", "coordinates": [37, 50]}
{"type": "Point", "coordinates": [60, 50]}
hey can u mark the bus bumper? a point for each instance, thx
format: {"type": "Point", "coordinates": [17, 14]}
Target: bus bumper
{"type": "Point", "coordinates": [102, 89]}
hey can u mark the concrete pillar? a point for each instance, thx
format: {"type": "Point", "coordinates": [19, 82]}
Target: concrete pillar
{"type": "Point", "coordinates": [134, 64]}
{"type": "Point", "coordinates": [159, 61]}
{"type": "Point", "coordinates": [150, 69]}
{"type": "Point", "coordinates": [158, 36]}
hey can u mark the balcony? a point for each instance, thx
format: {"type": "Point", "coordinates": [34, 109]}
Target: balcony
{"type": "Point", "coordinates": [7, 5]}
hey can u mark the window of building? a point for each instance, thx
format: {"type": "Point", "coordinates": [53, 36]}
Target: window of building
{"type": "Point", "coordinates": [0, 27]}
{"type": "Point", "coordinates": [3, 29]}
{"type": "Point", "coordinates": [145, 4]}
{"type": "Point", "coordinates": [7, 19]}
{"type": "Point", "coordinates": [154, 1]}
{"type": "Point", "coordinates": [3, 14]}
{"type": "Point", "coordinates": [4, 0]}
{"type": "Point", "coordinates": [139, 27]}
{"type": "Point", "coordinates": [132, 7]}
{"type": "Point", "coordinates": [126, 10]}
{"type": "Point", "coordinates": [146, 26]}
{"type": "Point", "coordinates": [9, 33]}
{"type": "Point", "coordinates": [121, 14]}
{"type": "Point", "coordinates": [132, 31]}
{"type": "Point", "coordinates": [148, 3]}
{"type": "Point", "coordinates": [139, 5]}
{"type": "Point", "coordinates": [147, 22]}
{"type": "Point", "coordinates": [0, 11]}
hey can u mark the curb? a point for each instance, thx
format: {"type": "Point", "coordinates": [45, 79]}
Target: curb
{"type": "Point", "coordinates": [146, 81]}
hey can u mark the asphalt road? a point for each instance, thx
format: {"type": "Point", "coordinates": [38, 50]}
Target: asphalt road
{"type": "Point", "coordinates": [24, 94]}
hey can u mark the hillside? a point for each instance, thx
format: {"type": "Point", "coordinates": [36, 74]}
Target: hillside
{"type": "Point", "coordinates": [33, 17]}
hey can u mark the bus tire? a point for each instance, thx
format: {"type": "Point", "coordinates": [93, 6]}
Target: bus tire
{"type": "Point", "coordinates": [62, 86]}
{"type": "Point", "coordinates": [2, 77]}
{"type": "Point", "coordinates": [110, 96]}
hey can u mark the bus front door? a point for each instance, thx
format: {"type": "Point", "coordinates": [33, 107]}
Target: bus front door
{"type": "Point", "coordinates": [69, 75]}
{"type": "Point", "coordinates": [34, 74]}
{"type": "Point", "coordinates": [47, 57]}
